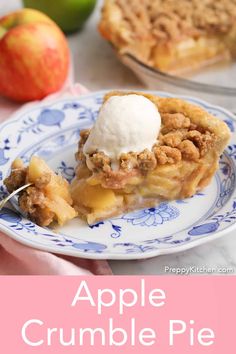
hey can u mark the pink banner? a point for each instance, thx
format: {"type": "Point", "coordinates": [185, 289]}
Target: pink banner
{"type": "Point", "coordinates": [181, 315]}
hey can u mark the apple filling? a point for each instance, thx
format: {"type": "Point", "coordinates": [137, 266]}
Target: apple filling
{"type": "Point", "coordinates": [48, 200]}
{"type": "Point", "coordinates": [190, 53]}
{"type": "Point", "coordinates": [95, 201]}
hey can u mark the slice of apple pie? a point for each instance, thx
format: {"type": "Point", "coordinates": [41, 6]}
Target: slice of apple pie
{"type": "Point", "coordinates": [142, 150]}
{"type": "Point", "coordinates": [48, 199]}
{"type": "Point", "coordinates": [170, 35]}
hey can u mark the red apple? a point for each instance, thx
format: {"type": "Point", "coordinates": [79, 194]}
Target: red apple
{"type": "Point", "coordinates": [34, 56]}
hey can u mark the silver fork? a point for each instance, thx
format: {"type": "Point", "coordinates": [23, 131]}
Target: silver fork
{"type": "Point", "coordinates": [5, 200]}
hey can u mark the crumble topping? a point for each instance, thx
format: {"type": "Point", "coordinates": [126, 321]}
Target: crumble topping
{"type": "Point", "coordinates": [172, 139]}
{"type": "Point", "coordinates": [147, 160]}
{"type": "Point", "coordinates": [100, 161]}
{"type": "Point", "coordinates": [171, 19]}
{"type": "Point", "coordinates": [179, 139]}
{"type": "Point", "coordinates": [16, 179]}
{"type": "Point", "coordinates": [167, 155]}
{"type": "Point", "coordinates": [32, 199]}
{"type": "Point", "coordinates": [188, 150]}
{"type": "Point", "coordinates": [129, 161]}
{"type": "Point", "coordinates": [84, 133]}
{"type": "Point", "coordinates": [32, 202]}
{"type": "Point", "coordinates": [203, 141]}
{"type": "Point", "coordinates": [172, 121]}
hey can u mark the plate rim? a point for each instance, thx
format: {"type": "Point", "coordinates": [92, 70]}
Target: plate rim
{"type": "Point", "coordinates": [125, 256]}
{"type": "Point", "coordinates": [117, 256]}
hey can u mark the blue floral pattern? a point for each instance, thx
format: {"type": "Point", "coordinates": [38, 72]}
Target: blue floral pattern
{"type": "Point", "coordinates": [145, 217]}
{"type": "Point", "coordinates": [47, 117]}
{"type": "Point", "coordinates": [214, 223]}
{"type": "Point", "coordinates": [185, 201]}
{"type": "Point", "coordinates": [153, 216]}
{"type": "Point", "coordinates": [3, 150]}
{"type": "Point", "coordinates": [230, 124]}
{"type": "Point", "coordinates": [57, 143]}
{"type": "Point", "coordinates": [227, 185]}
{"type": "Point", "coordinates": [84, 111]}
{"type": "Point", "coordinates": [68, 172]}
{"type": "Point", "coordinates": [3, 192]}
{"type": "Point", "coordinates": [52, 132]}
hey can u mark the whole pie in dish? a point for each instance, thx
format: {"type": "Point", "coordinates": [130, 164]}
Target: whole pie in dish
{"type": "Point", "coordinates": [170, 35]}
{"type": "Point", "coordinates": [142, 150]}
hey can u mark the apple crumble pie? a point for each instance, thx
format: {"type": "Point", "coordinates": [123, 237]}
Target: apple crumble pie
{"type": "Point", "coordinates": [181, 161]}
{"type": "Point", "coordinates": [142, 150]}
{"type": "Point", "coordinates": [172, 36]}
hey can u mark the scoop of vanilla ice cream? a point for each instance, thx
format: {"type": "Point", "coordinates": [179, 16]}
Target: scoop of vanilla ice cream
{"type": "Point", "coordinates": [125, 123]}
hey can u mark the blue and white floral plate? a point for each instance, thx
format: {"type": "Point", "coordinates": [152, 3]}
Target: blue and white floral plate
{"type": "Point", "coordinates": [51, 130]}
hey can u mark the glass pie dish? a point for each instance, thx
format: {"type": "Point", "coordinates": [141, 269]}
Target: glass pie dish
{"type": "Point", "coordinates": [215, 84]}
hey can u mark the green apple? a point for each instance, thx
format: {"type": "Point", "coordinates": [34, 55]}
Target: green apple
{"type": "Point", "coordinates": [70, 15]}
